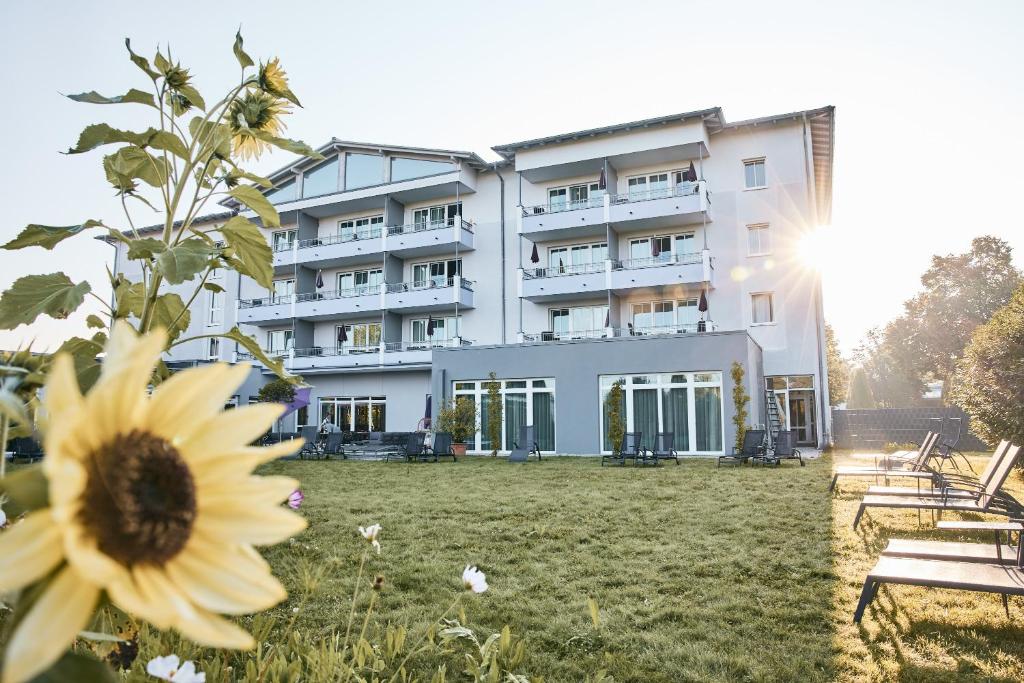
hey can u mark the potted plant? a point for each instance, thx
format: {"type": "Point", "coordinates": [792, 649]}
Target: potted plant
{"type": "Point", "coordinates": [458, 418]}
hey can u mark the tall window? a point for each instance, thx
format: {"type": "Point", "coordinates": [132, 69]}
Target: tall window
{"type": "Point", "coordinates": [360, 336]}
{"type": "Point", "coordinates": [758, 240]}
{"type": "Point", "coordinates": [282, 240]}
{"type": "Point", "coordinates": [664, 317]}
{"type": "Point", "coordinates": [213, 349]}
{"type": "Point", "coordinates": [360, 282]}
{"type": "Point", "coordinates": [283, 291]}
{"type": "Point", "coordinates": [407, 169]}
{"type": "Point", "coordinates": [688, 404]}
{"type": "Point", "coordinates": [322, 179]}
{"type": "Point", "coordinates": [355, 413]}
{"type": "Point", "coordinates": [360, 228]}
{"type": "Point", "coordinates": [753, 170]}
{"type": "Point", "coordinates": [279, 341]}
{"type": "Point", "coordinates": [578, 258]}
{"type": "Point", "coordinates": [445, 329]}
{"type": "Point", "coordinates": [523, 402]}
{"type": "Point", "coordinates": [651, 186]}
{"type": "Point", "coordinates": [214, 308]}
{"type": "Point", "coordinates": [363, 170]}
{"type": "Point", "coordinates": [762, 308]}
{"type": "Point", "coordinates": [440, 216]}
{"type": "Point", "coordinates": [578, 321]}
{"type": "Point", "coordinates": [580, 196]}
{"type": "Point", "coordinates": [435, 273]}
{"type": "Point", "coordinates": [663, 248]}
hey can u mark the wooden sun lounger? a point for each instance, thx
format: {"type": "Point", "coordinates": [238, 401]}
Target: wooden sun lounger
{"type": "Point", "coordinates": [952, 551]}
{"type": "Point", "coordinates": [955, 486]}
{"type": "Point", "coordinates": [917, 471]}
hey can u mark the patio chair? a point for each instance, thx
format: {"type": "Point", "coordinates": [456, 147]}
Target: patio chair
{"type": "Point", "coordinates": [313, 447]}
{"type": "Point", "coordinates": [333, 445]}
{"type": "Point", "coordinates": [987, 499]}
{"type": "Point", "coordinates": [753, 447]}
{"type": "Point", "coordinates": [629, 449]}
{"type": "Point", "coordinates": [525, 446]}
{"type": "Point", "coordinates": [901, 459]}
{"type": "Point", "coordinates": [665, 447]}
{"type": "Point", "coordinates": [986, 553]}
{"type": "Point", "coordinates": [949, 484]}
{"type": "Point", "coordinates": [918, 468]}
{"type": "Point", "coordinates": [414, 448]}
{"type": "Point", "coordinates": [442, 447]}
{"type": "Point", "coordinates": [947, 566]}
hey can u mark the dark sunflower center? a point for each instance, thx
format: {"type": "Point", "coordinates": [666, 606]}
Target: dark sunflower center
{"type": "Point", "coordinates": [140, 499]}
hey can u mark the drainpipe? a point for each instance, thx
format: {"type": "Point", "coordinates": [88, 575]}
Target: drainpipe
{"type": "Point", "coordinates": [501, 208]}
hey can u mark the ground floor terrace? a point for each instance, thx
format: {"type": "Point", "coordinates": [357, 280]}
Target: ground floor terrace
{"type": "Point", "coordinates": [698, 574]}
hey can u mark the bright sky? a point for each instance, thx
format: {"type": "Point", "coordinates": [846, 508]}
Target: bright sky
{"type": "Point", "coordinates": [928, 99]}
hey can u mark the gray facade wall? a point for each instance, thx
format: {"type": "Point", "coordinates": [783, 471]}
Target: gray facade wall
{"type": "Point", "coordinates": [576, 366]}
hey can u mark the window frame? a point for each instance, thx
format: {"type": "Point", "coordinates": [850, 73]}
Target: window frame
{"type": "Point", "coordinates": [772, 309]}
{"type": "Point", "coordinates": [214, 313]}
{"type": "Point", "coordinates": [753, 161]}
{"type": "Point", "coordinates": [765, 236]}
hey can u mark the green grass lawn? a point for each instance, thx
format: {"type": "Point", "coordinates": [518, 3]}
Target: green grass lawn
{"type": "Point", "coordinates": [700, 574]}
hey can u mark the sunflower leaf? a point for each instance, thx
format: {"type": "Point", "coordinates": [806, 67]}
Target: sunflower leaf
{"type": "Point", "coordinates": [251, 253]}
{"type": "Point", "coordinates": [213, 287]}
{"type": "Point", "coordinates": [182, 261]}
{"type": "Point", "coordinates": [133, 162]}
{"type": "Point", "coordinates": [219, 137]}
{"type": "Point", "coordinates": [243, 58]}
{"type": "Point", "coordinates": [99, 134]}
{"type": "Point", "coordinates": [169, 312]}
{"type": "Point", "coordinates": [77, 667]}
{"type": "Point", "coordinates": [140, 61]}
{"type": "Point", "coordinates": [129, 297]}
{"type": "Point", "coordinates": [26, 490]}
{"type": "Point", "coordinates": [145, 248]}
{"type": "Point", "coordinates": [95, 321]}
{"type": "Point", "coordinates": [236, 174]}
{"type": "Point", "coordinates": [255, 200]}
{"type": "Point", "coordinates": [132, 96]}
{"type": "Point", "coordinates": [253, 347]}
{"type": "Point", "coordinates": [12, 408]}
{"type": "Point", "coordinates": [192, 95]}
{"type": "Point", "coordinates": [48, 236]}
{"type": "Point", "coordinates": [296, 146]}
{"type": "Point", "coordinates": [84, 354]}
{"type": "Point", "coordinates": [33, 295]}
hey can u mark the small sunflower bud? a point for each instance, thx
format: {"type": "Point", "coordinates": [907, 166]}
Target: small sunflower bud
{"type": "Point", "coordinates": [378, 583]}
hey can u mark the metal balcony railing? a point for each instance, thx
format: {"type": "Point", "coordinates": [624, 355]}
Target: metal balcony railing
{"type": "Point", "coordinates": [592, 202]}
{"type": "Point", "coordinates": [562, 336]}
{"type": "Point", "coordinates": [366, 233]}
{"type": "Point", "coordinates": [663, 259]}
{"type": "Point", "coordinates": [647, 194]}
{"type": "Point", "coordinates": [344, 350]}
{"type": "Point", "coordinates": [359, 290]}
{"type": "Point", "coordinates": [426, 345]}
{"type": "Point", "coordinates": [566, 269]}
{"type": "Point", "coordinates": [266, 301]}
{"type": "Point", "coordinates": [425, 226]}
{"type": "Point", "coordinates": [633, 330]}
{"type": "Point", "coordinates": [433, 283]}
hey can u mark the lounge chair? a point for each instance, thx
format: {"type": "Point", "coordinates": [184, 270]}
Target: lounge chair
{"type": "Point", "coordinates": [785, 449]}
{"type": "Point", "coordinates": [918, 468]}
{"type": "Point", "coordinates": [313, 447]}
{"type": "Point", "coordinates": [333, 445]}
{"type": "Point", "coordinates": [415, 448]}
{"type": "Point", "coordinates": [629, 449]}
{"type": "Point", "coordinates": [952, 485]}
{"type": "Point", "coordinates": [753, 447]}
{"type": "Point", "coordinates": [988, 499]}
{"type": "Point", "coordinates": [665, 447]}
{"type": "Point", "coordinates": [525, 446]}
{"type": "Point", "coordinates": [903, 458]}
{"type": "Point", "coordinates": [442, 447]}
{"type": "Point", "coordinates": [958, 566]}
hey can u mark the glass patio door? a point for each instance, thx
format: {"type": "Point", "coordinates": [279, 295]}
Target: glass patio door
{"type": "Point", "coordinates": [801, 416]}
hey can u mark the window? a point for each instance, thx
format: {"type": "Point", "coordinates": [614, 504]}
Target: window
{"type": "Point", "coordinates": [572, 197]}
{"type": "Point", "coordinates": [663, 249]}
{"type": "Point", "coordinates": [435, 273]}
{"type": "Point", "coordinates": [758, 240]}
{"type": "Point", "coordinates": [355, 413]}
{"type": "Point", "coordinates": [578, 258]}
{"type": "Point", "coordinates": [214, 308]}
{"type": "Point", "coordinates": [445, 329]}
{"type": "Point", "coordinates": [363, 170]}
{"type": "Point", "coordinates": [407, 169]}
{"type": "Point", "coordinates": [439, 216]}
{"type": "Point", "coordinates": [360, 228]}
{"type": "Point", "coordinates": [578, 322]}
{"type": "Point", "coordinates": [664, 317]}
{"type": "Point", "coordinates": [523, 402]}
{"type": "Point", "coordinates": [283, 240]}
{"type": "Point", "coordinates": [322, 179]}
{"type": "Point", "coordinates": [283, 291]}
{"type": "Point", "coordinates": [213, 349]}
{"type": "Point", "coordinates": [359, 337]}
{"type": "Point", "coordinates": [754, 174]}
{"type": "Point", "coordinates": [360, 282]}
{"type": "Point", "coordinates": [762, 309]}
{"type": "Point", "coordinates": [279, 341]}
{"type": "Point", "coordinates": [285, 192]}
{"type": "Point", "coordinates": [688, 404]}
{"type": "Point", "coordinates": [652, 186]}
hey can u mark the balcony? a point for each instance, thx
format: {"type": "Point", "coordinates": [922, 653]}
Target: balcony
{"type": "Point", "coordinates": [683, 204]}
{"type": "Point", "coordinates": [630, 330]}
{"type": "Point", "coordinates": [429, 239]}
{"type": "Point", "coordinates": [577, 281]}
{"type": "Point", "coordinates": [430, 296]}
{"type": "Point", "coordinates": [265, 311]}
{"type": "Point", "coordinates": [356, 302]}
{"type": "Point", "coordinates": [680, 269]}
{"type": "Point", "coordinates": [386, 355]}
{"type": "Point", "coordinates": [585, 218]}
{"type": "Point", "coordinates": [350, 248]}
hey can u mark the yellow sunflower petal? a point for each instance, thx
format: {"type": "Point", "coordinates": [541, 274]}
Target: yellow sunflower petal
{"type": "Point", "coordinates": [229, 431]}
{"type": "Point", "coordinates": [61, 395]}
{"type": "Point", "coordinates": [244, 524]}
{"type": "Point", "coordinates": [127, 594]}
{"type": "Point", "coordinates": [213, 631]}
{"type": "Point", "coordinates": [154, 584]}
{"type": "Point", "coordinates": [227, 590]}
{"type": "Point", "coordinates": [50, 626]}
{"type": "Point", "coordinates": [252, 489]}
{"type": "Point", "coordinates": [184, 402]}
{"type": "Point", "coordinates": [84, 554]}
{"type": "Point", "coordinates": [67, 479]}
{"type": "Point", "coordinates": [241, 461]}
{"type": "Point", "coordinates": [28, 550]}
{"type": "Point", "coordinates": [116, 402]}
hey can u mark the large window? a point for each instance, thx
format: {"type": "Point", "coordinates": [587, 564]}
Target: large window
{"type": "Point", "coordinates": [322, 179]}
{"type": "Point", "coordinates": [577, 258]}
{"type": "Point", "coordinates": [578, 322]}
{"type": "Point", "coordinates": [651, 186]}
{"type": "Point", "coordinates": [688, 404]}
{"type": "Point", "coordinates": [363, 170]}
{"type": "Point", "coordinates": [407, 169]}
{"type": "Point", "coordinates": [753, 174]}
{"type": "Point", "coordinates": [523, 402]}
{"type": "Point", "coordinates": [797, 405]}
{"type": "Point", "coordinates": [762, 308]}
{"type": "Point", "coordinates": [445, 329]}
{"type": "Point", "coordinates": [285, 192]}
{"type": "Point", "coordinates": [359, 337]}
{"type": "Point", "coordinates": [279, 341]}
{"type": "Point", "coordinates": [575, 197]}
{"type": "Point", "coordinates": [355, 413]}
{"type": "Point", "coordinates": [283, 240]}
{"type": "Point", "coordinates": [758, 240]}
{"type": "Point", "coordinates": [432, 217]}
{"type": "Point", "coordinates": [214, 308]}
{"type": "Point", "coordinates": [283, 291]}
{"type": "Point", "coordinates": [360, 282]}
{"type": "Point", "coordinates": [435, 273]}
{"type": "Point", "coordinates": [666, 317]}
{"type": "Point", "coordinates": [663, 248]}
{"type": "Point", "coordinates": [360, 228]}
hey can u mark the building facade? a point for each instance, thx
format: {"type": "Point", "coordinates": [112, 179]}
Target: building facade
{"type": "Point", "coordinates": [655, 253]}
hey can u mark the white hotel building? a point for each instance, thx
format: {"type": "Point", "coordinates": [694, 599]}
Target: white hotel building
{"type": "Point", "coordinates": [572, 262]}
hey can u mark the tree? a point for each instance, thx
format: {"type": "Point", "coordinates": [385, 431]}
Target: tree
{"type": "Point", "coordinates": [961, 292]}
{"type": "Point", "coordinates": [494, 412]}
{"type": "Point", "coordinates": [277, 390]}
{"type": "Point", "coordinates": [613, 416]}
{"type": "Point", "coordinates": [838, 368]}
{"type": "Point", "coordinates": [191, 154]}
{"type": "Point", "coordinates": [860, 391]}
{"type": "Point", "coordinates": [458, 418]}
{"type": "Point", "coordinates": [890, 384]}
{"type": "Point", "coordinates": [989, 381]}
{"type": "Point", "coordinates": [740, 399]}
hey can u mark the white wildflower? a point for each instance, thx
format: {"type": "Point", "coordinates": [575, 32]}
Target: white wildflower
{"type": "Point", "coordinates": [474, 580]}
{"type": "Point", "coordinates": [168, 669]}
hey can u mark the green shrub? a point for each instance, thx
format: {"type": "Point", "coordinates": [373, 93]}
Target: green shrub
{"type": "Point", "coordinates": [740, 399]}
{"type": "Point", "coordinates": [277, 391]}
{"type": "Point", "coordinates": [458, 418]}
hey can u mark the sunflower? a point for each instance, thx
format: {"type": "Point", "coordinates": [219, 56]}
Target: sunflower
{"type": "Point", "coordinates": [253, 113]}
{"type": "Point", "coordinates": [274, 80]}
{"type": "Point", "coordinates": [152, 503]}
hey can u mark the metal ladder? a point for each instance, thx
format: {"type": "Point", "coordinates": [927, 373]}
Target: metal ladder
{"type": "Point", "coordinates": [771, 403]}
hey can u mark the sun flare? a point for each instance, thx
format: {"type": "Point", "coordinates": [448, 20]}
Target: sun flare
{"type": "Point", "coordinates": [817, 247]}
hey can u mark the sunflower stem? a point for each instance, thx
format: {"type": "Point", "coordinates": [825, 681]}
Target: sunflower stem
{"type": "Point", "coordinates": [4, 427]}
{"type": "Point", "coordinates": [362, 634]}
{"type": "Point", "coordinates": [394, 676]}
{"type": "Point", "coordinates": [355, 594]}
